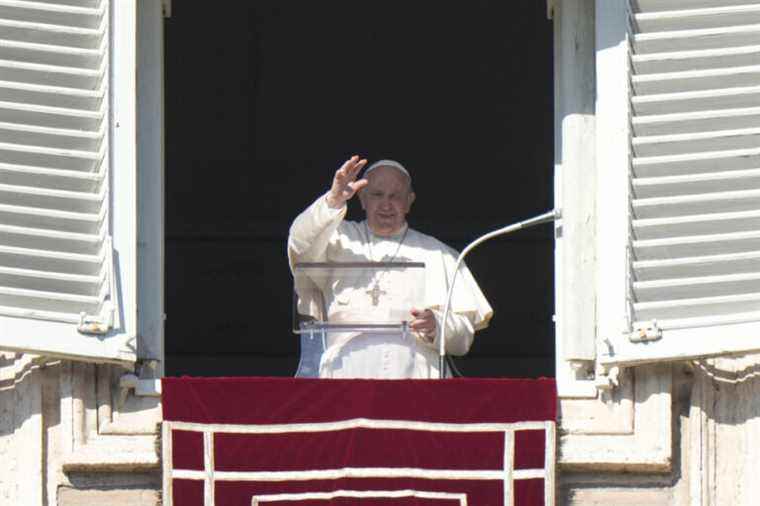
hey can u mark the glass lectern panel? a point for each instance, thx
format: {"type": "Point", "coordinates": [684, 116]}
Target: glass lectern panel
{"type": "Point", "coordinates": [336, 302]}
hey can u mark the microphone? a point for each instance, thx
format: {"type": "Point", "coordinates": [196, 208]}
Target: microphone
{"type": "Point", "coordinates": [549, 216]}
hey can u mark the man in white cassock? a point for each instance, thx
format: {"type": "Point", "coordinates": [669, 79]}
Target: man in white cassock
{"type": "Point", "coordinates": [320, 234]}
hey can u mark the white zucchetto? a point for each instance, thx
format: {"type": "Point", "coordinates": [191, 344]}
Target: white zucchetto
{"type": "Point", "coordinates": [388, 163]}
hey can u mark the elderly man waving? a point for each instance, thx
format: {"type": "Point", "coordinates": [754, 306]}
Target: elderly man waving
{"type": "Point", "coordinates": [320, 234]}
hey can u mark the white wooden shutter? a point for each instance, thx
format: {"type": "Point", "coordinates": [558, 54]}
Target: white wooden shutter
{"type": "Point", "coordinates": [693, 252]}
{"type": "Point", "coordinates": [63, 285]}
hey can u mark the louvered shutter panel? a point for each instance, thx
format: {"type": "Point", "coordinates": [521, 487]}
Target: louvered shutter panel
{"type": "Point", "coordinates": [58, 291]}
{"type": "Point", "coordinates": [694, 196]}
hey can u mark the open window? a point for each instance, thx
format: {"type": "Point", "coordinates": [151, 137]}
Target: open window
{"type": "Point", "coordinates": [267, 128]}
{"type": "Point", "coordinates": [68, 179]}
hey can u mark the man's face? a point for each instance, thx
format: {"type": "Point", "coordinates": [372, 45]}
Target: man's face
{"type": "Point", "coordinates": [386, 200]}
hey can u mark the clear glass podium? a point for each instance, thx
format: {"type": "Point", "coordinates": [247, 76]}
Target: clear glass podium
{"type": "Point", "coordinates": [334, 303]}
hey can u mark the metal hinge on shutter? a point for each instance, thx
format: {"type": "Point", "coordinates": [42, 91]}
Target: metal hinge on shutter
{"type": "Point", "coordinates": [648, 331]}
{"type": "Point", "coordinates": [101, 323]}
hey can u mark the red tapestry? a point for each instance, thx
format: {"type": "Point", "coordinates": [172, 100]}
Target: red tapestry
{"type": "Point", "coordinates": [306, 442]}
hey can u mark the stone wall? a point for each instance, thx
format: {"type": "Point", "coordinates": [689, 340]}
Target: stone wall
{"type": "Point", "coordinates": [70, 436]}
{"type": "Point", "coordinates": [716, 445]}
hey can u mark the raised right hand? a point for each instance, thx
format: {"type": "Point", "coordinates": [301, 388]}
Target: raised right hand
{"type": "Point", "coordinates": [344, 184]}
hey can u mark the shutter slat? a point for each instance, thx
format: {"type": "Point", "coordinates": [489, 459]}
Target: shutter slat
{"type": "Point", "coordinates": [692, 184]}
{"type": "Point", "coordinates": [699, 204]}
{"type": "Point", "coordinates": [48, 13]}
{"type": "Point", "coordinates": [702, 224]}
{"type": "Point", "coordinates": [696, 163]}
{"type": "Point", "coordinates": [56, 96]}
{"type": "Point", "coordinates": [76, 3]}
{"type": "Point", "coordinates": [50, 240]}
{"type": "Point", "coordinates": [48, 301]}
{"type": "Point", "coordinates": [52, 219]}
{"type": "Point", "coordinates": [61, 138]}
{"type": "Point", "coordinates": [56, 35]}
{"type": "Point", "coordinates": [55, 6]}
{"type": "Point", "coordinates": [692, 40]}
{"type": "Point", "coordinates": [696, 121]}
{"type": "Point", "coordinates": [691, 267]}
{"type": "Point", "coordinates": [679, 61]}
{"type": "Point", "coordinates": [706, 17]}
{"type": "Point", "coordinates": [51, 178]}
{"type": "Point", "coordinates": [670, 5]}
{"type": "Point", "coordinates": [52, 75]}
{"type": "Point", "coordinates": [41, 198]}
{"type": "Point", "coordinates": [55, 158]}
{"type": "Point", "coordinates": [694, 80]}
{"type": "Point", "coordinates": [44, 281]}
{"type": "Point", "coordinates": [42, 315]}
{"type": "Point", "coordinates": [53, 261]}
{"type": "Point", "coordinates": [46, 54]}
{"type": "Point", "coordinates": [694, 245]}
{"type": "Point", "coordinates": [696, 142]}
{"type": "Point", "coordinates": [695, 287]}
{"type": "Point", "coordinates": [705, 100]}
{"type": "Point", "coordinates": [697, 308]}
{"type": "Point", "coordinates": [53, 117]}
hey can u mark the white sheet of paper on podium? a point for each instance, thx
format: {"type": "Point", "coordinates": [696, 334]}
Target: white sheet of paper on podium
{"type": "Point", "coordinates": [334, 302]}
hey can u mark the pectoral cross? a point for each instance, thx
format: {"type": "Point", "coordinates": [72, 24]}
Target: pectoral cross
{"type": "Point", "coordinates": [375, 293]}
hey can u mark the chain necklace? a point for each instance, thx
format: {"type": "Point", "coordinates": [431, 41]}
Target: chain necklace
{"type": "Point", "coordinates": [376, 291]}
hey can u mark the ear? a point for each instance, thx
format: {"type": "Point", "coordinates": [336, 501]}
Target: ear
{"type": "Point", "coordinates": [410, 200]}
{"type": "Point", "coordinates": [361, 198]}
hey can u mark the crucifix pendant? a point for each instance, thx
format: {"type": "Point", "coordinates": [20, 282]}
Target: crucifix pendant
{"type": "Point", "coordinates": [375, 293]}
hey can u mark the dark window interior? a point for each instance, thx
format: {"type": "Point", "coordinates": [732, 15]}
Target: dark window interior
{"type": "Point", "coordinates": [265, 99]}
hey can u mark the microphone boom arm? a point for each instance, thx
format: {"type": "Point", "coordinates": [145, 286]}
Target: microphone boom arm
{"type": "Point", "coordinates": [552, 215]}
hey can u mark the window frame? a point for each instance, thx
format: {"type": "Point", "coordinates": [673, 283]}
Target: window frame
{"type": "Point", "coordinates": [628, 426]}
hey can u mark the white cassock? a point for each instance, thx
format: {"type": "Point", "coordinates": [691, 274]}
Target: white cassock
{"type": "Point", "coordinates": [320, 234]}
